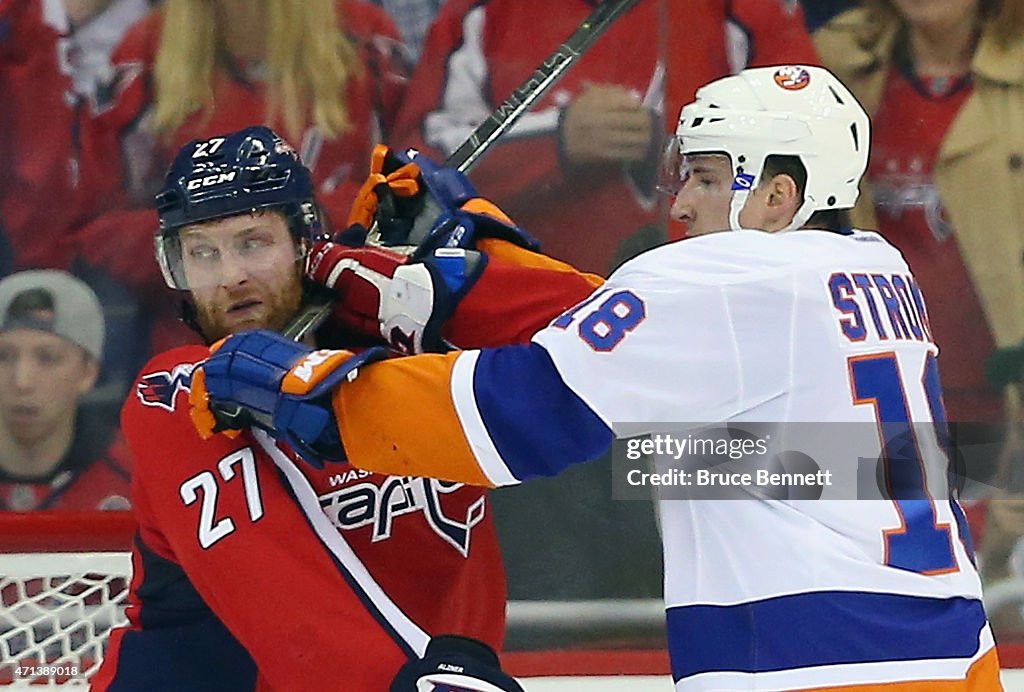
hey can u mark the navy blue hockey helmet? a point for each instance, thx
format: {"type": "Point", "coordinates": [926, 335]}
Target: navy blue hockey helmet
{"type": "Point", "coordinates": [228, 175]}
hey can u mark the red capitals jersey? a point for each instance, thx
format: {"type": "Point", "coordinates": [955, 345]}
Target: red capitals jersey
{"type": "Point", "coordinates": [248, 559]}
{"type": "Point", "coordinates": [905, 142]}
{"type": "Point", "coordinates": [38, 164]}
{"type": "Point", "coordinates": [123, 165]}
{"type": "Point", "coordinates": [477, 53]}
{"type": "Point", "coordinates": [91, 476]}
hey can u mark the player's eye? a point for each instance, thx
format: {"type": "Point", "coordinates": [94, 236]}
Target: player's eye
{"type": "Point", "coordinates": [202, 253]}
{"type": "Point", "coordinates": [7, 355]}
{"type": "Point", "coordinates": [257, 242]}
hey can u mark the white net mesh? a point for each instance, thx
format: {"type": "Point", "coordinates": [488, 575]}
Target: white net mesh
{"type": "Point", "coordinates": [58, 609]}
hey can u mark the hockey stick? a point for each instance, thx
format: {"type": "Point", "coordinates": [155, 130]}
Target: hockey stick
{"type": "Point", "coordinates": [542, 79]}
{"type": "Point", "coordinates": [486, 133]}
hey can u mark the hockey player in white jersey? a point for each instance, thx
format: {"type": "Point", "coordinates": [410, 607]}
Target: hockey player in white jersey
{"type": "Point", "coordinates": [789, 318]}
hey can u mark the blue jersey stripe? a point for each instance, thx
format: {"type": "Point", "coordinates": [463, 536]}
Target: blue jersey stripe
{"type": "Point", "coordinates": [537, 424]}
{"type": "Point", "coordinates": [821, 628]}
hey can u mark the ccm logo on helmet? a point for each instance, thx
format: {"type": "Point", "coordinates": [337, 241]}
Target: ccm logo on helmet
{"type": "Point", "coordinates": [792, 78]}
{"type": "Point", "coordinates": [210, 180]}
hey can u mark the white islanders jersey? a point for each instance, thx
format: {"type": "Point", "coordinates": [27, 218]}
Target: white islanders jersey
{"type": "Point", "coordinates": [816, 341]}
{"type": "Point", "coordinates": [804, 327]}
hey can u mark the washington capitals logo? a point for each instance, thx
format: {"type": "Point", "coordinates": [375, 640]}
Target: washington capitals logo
{"type": "Point", "coordinates": [161, 388]}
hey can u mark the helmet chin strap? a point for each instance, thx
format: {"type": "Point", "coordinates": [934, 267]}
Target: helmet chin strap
{"type": "Point", "coordinates": [801, 216]}
{"type": "Point", "coordinates": [742, 184]}
{"type": "Point", "coordinates": [739, 200]}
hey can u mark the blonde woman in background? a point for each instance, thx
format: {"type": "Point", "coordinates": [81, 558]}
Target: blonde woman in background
{"type": "Point", "coordinates": [328, 74]}
{"type": "Point", "coordinates": [944, 83]}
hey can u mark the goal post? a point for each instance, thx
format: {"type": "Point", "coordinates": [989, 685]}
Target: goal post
{"type": "Point", "coordinates": [63, 585]}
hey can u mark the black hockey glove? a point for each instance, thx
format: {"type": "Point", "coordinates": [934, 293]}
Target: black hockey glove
{"type": "Point", "coordinates": [458, 663]}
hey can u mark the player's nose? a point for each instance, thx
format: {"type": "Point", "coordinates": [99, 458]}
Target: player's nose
{"type": "Point", "coordinates": [682, 209]}
{"type": "Point", "coordinates": [232, 270]}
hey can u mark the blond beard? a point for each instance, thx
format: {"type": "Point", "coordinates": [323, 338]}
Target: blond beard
{"type": "Point", "coordinates": [281, 308]}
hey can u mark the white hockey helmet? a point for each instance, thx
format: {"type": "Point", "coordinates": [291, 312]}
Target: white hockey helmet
{"type": "Point", "coordinates": [793, 110]}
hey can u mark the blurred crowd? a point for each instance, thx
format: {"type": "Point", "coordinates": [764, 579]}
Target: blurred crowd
{"type": "Point", "coordinates": [97, 95]}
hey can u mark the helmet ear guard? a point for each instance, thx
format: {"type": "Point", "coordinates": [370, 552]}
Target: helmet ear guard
{"type": "Point", "coordinates": [800, 111]}
{"type": "Point", "coordinates": [236, 173]}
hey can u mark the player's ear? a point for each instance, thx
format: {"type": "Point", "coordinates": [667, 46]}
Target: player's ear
{"type": "Point", "coordinates": [783, 198]}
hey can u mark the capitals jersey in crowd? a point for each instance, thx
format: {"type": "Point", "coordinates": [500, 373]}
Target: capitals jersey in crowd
{"type": "Point", "coordinates": [93, 474]}
{"type": "Point", "coordinates": [477, 53]}
{"type": "Point", "coordinates": [37, 117]}
{"type": "Point", "coordinates": [761, 594]}
{"type": "Point", "coordinates": [54, 76]}
{"type": "Point", "coordinates": [250, 564]}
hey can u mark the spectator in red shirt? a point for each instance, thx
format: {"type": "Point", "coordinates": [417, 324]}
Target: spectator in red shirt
{"type": "Point", "coordinates": [56, 451]}
{"type": "Point", "coordinates": [944, 84]}
{"type": "Point", "coordinates": [586, 154]}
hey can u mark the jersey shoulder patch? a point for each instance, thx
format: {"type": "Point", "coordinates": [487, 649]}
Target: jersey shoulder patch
{"type": "Point", "coordinates": [161, 388]}
{"type": "Point", "coordinates": [168, 375]}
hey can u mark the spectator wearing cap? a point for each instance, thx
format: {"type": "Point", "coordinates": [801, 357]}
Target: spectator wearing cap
{"type": "Point", "coordinates": [56, 451]}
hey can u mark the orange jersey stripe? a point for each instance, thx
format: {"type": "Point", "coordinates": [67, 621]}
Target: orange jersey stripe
{"type": "Point", "coordinates": [983, 676]}
{"type": "Point", "coordinates": [398, 418]}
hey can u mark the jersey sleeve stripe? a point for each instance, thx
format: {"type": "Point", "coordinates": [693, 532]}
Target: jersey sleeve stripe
{"type": "Point", "coordinates": [397, 417]}
{"type": "Point", "coordinates": [480, 441]}
{"type": "Point", "coordinates": [826, 628]}
{"type": "Point", "coordinates": [537, 424]}
{"type": "Point", "coordinates": [490, 417]}
{"type": "Point", "coordinates": [981, 671]}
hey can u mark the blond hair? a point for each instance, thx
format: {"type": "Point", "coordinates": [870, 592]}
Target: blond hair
{"type": "Point", "coordinates": [309, 62]}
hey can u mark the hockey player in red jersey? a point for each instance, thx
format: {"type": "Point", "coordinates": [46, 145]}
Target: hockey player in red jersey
{"type": "Point", "coordinates": [329, 77]}
{"type": "Point", "coordinates": [251, 571]}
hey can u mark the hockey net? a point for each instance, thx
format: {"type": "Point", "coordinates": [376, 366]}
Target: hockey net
{"type": "Point", "coordinates": [64, 584]}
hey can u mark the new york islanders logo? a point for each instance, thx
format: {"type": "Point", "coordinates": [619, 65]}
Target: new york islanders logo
{"type": "Point", "coordinates": [161, 388]}
{"type": "Point", "coordinates": [792, 78]}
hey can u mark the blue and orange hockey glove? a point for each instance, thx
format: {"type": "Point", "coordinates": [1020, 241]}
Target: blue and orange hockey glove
{"type": "Point", "coordinates": [259, 378]}
{"type": "Point", "coordinates": [417, 203]}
